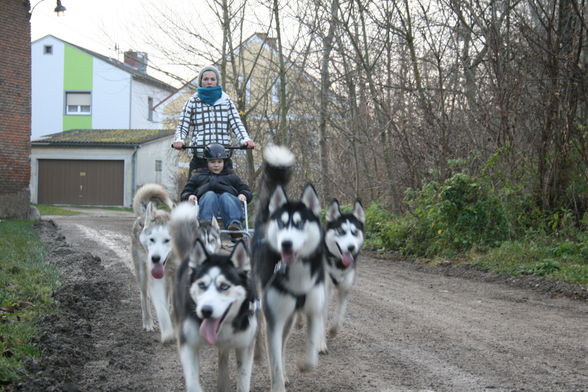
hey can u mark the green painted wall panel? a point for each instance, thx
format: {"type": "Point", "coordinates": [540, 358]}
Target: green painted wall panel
{"type": "Point", "coordinates": [77, 70]}
{"type": "Point", "coordinates": [77, 122]}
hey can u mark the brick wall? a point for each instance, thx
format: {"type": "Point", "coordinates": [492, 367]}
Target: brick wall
{"type": "Point", "coordinates": [15, 108]}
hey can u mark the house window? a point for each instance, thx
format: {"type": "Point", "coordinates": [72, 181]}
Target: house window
{"type": "Point", "coordinates": [150, 108]}
{"type": "Point", "coordinates": [48, 49]}
{"type": "Point", "coordinates": [78, 103]}
{"type": "Point", "coordinates": [158, 165]}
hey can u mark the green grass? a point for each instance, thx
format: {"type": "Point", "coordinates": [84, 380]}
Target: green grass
{"type": "Point", "coordinates": [27, 283]}
{"type": "Point", "coordinates": [540, 257]}
{"type": "Point", "coordinates": [46, 209]}
{"type": "Point", "coordinates": [127, 209]}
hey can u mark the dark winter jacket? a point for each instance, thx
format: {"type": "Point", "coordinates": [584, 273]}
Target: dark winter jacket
{"type": "Point", "coordinates": [226, 181]}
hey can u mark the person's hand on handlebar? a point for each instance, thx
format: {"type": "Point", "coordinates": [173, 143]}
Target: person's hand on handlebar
{"type": "Point", "coordinates": [178, 145]}
{"type": "Point", "coordinates": [249, 144]}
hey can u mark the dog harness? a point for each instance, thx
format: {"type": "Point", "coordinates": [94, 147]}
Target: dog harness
{"type": "Point", "coordinates": [280, 271]}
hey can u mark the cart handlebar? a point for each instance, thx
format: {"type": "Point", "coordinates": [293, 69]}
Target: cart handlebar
{"type": "Point", "coordinates": [202, 147]}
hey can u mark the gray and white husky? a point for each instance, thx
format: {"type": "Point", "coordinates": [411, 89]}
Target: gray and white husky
{"type": "Point", "coordinates": [215, 304]}
{"type": "Point", "coordinates": [209, 234]}
{"type": "Point", "coordinates": [287, 256]}
{"type": "Point", "coordinates": [153, 259]}
{"type": "Point", "coordinates": [343, 241]}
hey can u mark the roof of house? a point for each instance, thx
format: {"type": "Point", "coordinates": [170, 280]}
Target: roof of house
{"type": "Point", "coordinates": [138, 75]}
{"type": "Point", "coordinates": [103, 137]}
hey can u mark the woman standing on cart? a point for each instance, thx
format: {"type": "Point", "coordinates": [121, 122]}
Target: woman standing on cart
{"type": "Point", "coordinates": [211, 114]}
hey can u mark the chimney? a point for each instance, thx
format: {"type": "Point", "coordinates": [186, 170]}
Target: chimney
{"type": "Point", "coordinates": [136, 60]}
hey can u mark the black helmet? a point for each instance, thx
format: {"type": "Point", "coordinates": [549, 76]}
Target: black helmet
{"type": "Point", "coordinates": [215, 151]}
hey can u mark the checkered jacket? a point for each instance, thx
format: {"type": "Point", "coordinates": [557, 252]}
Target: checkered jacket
{"type": "Point", "coordinates": [211, 123]}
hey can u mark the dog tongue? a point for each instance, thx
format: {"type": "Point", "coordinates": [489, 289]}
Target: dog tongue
{"type": "Point", "coordinates": [208, 329]}
{"type": "Point", "coordinates": [287, 257]}
{"type": "Point", "coordinates": [347, 259]}
{"type": "Point", "coordinates": [157, 271]}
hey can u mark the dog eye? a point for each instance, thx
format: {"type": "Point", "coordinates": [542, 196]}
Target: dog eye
{"type": "Point", "coordinates": [224, 287]}
{"type": "Point", "coordinates": [354, 232]}
{"type": "Point", "coordinates": [341, 231]}
{"type": "Point", "coordinates": [152, 240]}
{"type": "Point", "coordinates": [166, 241]}
{"type": "Point", "coordinates": [202, 285]}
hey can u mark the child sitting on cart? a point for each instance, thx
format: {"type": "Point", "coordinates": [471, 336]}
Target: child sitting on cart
{"type": "Point", "coordinates": [218, 190]}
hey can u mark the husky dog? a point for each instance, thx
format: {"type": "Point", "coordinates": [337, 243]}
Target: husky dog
{"type": "Point", "coordinates": [288, 260]}
{"type": "Point", "coordinates": [209, 234]}
{"type": "Point", "coordinates": [153, 258]}
{"type": "Point", "coordinates": [215, 303]}
{"type": "Point", "coordinates": [185, 228]}
{"type": "Point", "coordinates": [343, 241]}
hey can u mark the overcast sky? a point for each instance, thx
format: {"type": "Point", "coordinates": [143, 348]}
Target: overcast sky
{"type": "Point", "coordinates": [104, 26]}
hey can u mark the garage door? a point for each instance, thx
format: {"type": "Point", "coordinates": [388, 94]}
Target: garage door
{"type": "Point", "coordinates": [81, 182]}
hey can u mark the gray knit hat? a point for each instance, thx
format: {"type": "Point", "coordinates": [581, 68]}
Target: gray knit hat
{"type": "Point", "coordinates": [209, 68]}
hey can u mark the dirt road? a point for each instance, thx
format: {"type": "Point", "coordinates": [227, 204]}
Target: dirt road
{"type": "Point", "coordinates": [409, 327]}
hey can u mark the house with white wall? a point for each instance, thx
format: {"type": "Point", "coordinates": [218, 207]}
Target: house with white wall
{"type": "Point", "coordinates": [75, 88]}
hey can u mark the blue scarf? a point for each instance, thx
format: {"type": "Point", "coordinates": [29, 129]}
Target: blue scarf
{"type": "Point", "coordinates": [210, 94]}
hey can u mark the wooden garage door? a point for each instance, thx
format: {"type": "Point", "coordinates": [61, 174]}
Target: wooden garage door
{"type": "Point", "coordinates": [81, 182]}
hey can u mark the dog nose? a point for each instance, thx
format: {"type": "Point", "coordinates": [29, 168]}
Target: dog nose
{"type": "Point", "coordinates": [286, 246]}
{"type": "Point", "coordinates": [206, 311]}
{"type": "Point", "coordinates": [351, 248]}
{"type": "Point", "coordinates": [155, 259]}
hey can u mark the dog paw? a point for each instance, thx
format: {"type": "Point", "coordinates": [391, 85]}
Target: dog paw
{"type": "Point", "coordinates": [305, 366]}
{"type": "Point", "coordinates": [148, 327]}
{"type": "Point", "coordinates": [168, 337]}
{"type": "Point", "coordinates": [323, 350]}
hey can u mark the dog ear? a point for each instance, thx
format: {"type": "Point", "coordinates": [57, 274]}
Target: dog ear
{"type": "Point", "coordinates": [198, 255]}
{"type": "Point", "coordinates": [311, 200]}
{"type": "Point", "coordinates": [240, 257]}
{"type": "Point", "coordinates": [149, 212]}
{"type": "Point", "coordinates": [358, 211]}
{"type": "Point", "coordinates": [333, 212]}
{"type": "Point", "coordinates": [277, 200]}
{"type": "Point", "coordinates": [214, 223]}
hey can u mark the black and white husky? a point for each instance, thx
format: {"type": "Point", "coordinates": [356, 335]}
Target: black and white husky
{"type": "Point", "coordinates": [215, 304]}
{"type": "Point", "coordinates": [287, 256]}
{"type": "Point", "coordinates": [343, 241]}
{"type": "Point", "coordinates": [153, 259]}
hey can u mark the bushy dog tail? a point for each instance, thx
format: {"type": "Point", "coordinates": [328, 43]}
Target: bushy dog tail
{"type": "Point", "coordinates": [148, 193]}
{"type": "Point", "coordinates": [184, 228]}
{"type": "Point", "coordinates": [278, 163]}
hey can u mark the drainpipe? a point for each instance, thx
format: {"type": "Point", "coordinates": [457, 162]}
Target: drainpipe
{"type": "Point", "coordinates": [134, 171]}
{"type": "Point", "coordinates": [130, 102]}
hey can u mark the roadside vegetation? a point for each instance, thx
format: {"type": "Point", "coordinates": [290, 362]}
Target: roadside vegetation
{"type": "Point", "coordinates": [479, 220]}
{"type": "Point", "coordinates": [46, 209]}
{"type": "Point", "coordinates": [27, 284]}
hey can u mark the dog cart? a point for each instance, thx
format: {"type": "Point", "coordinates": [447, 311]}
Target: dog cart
{"type": "Point", "coordinates": [245, 231]}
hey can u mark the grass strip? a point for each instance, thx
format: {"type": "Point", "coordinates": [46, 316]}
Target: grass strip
{"type": "Point", "coordinates": [27, 283]}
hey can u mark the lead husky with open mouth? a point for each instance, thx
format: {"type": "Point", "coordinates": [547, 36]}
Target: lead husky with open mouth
{"type": "Point", "coordinates": [215, 304]}
{"type": "Point", "coordinates": [287, 256]}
